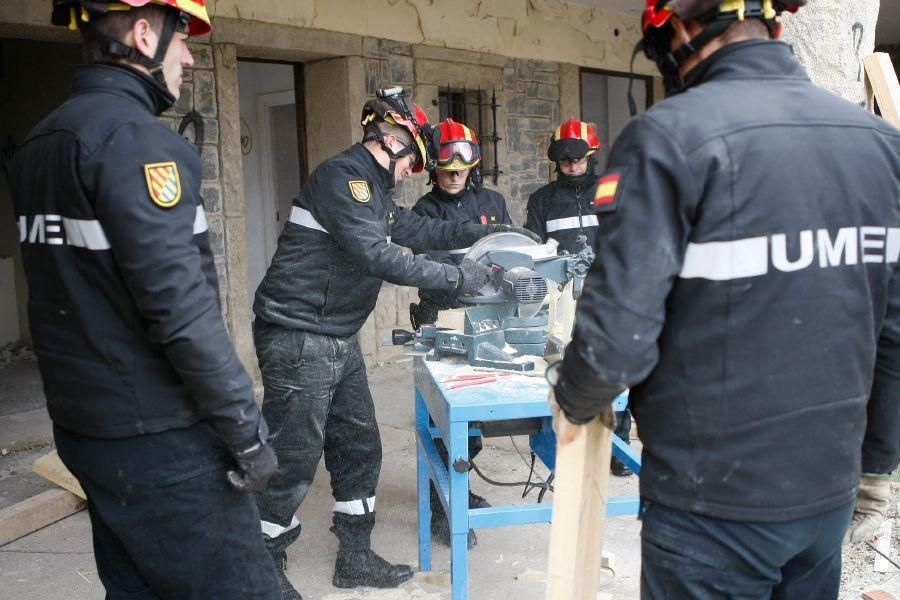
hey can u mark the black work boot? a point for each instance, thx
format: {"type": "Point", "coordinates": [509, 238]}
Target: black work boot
{"type": "Point", "coordinates": [357, 564]}
{"type": "Point", "coordinates": [288, 592]}
{"type": "Point", "coordinates": [618, 468]}
{"type": "Point", "coordinates": [440, 525]}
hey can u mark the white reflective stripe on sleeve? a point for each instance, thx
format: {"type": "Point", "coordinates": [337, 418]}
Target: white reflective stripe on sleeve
{"type": "Point", "coordinates": [572, 223]}
{"type": "Point", "coordinates": [304, 218]}
{"type": "Point", "coordinates": [721, 261]}
{"type": "Point", "coordinates": [459, 251]}
{"type": "Point", "coordinates": [273, 530]}
{"type": "Point", "coordinates": [200, 221]}
{"type": "Point", "coordinates": [355, 507]}
{"type": "Point", "coordinates": [85, 234]}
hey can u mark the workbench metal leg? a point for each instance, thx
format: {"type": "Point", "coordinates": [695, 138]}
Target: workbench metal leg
{"type": "Point", "coordinates": [423, 485]}
{"type": "Point", "coordinates": [459, 510]}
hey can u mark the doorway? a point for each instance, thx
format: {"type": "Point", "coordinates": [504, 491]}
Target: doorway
{"type": "Point", "coordinates": [274, 154]}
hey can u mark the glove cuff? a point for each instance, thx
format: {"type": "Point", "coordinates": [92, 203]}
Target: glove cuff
{"type": "Point", "coordinates": [581, 403]}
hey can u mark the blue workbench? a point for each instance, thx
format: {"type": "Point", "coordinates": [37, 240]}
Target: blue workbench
{"type": "Point", "coordinates": [446, 414]}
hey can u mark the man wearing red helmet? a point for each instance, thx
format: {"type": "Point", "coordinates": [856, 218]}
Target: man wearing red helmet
{"type": "Point", "coordinates": [342, 240]}
{"type": "Point", "coordinates": [746, 289]}
{"type": "Point", "coordinates": [153, 412]}
{"type": "Point", "coordinates": [563, 210]}
{"type": "Point", "coordinates": [457, 195]}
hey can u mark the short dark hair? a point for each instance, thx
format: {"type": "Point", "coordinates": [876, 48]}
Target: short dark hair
{"type": "Point", "coordinates": [748, 28]}
{"type": "Point", "coordinates": [117, 24]}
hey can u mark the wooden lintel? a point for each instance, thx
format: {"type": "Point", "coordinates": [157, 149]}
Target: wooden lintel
{"type": "Point", "coordinates": [38, 511]}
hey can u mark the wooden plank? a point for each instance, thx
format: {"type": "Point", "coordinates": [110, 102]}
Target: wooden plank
{"type": "Point", "coordinates": [883, 543]}
{"type": "Point", "coordinates": [453, 318]}
{"type": "Point", "coordinates": [579, 512]}
{"type": "Point", "coordinates": [38, 511]}
{"type": "Point", "coordinates": [883, 79]}
{"type": "Point", "coordinates": [51, 467]}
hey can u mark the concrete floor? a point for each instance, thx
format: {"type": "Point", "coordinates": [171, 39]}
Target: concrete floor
{"type": "Point", "coordinates": [57, 561]}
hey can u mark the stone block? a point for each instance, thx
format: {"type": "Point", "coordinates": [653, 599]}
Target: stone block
{"type": "Point", "coordinates": [371, 77]}
{"type": "Point", "coordinates": [540, 108]}
{"type": "Point", "coordinates": [216, 235]}
{"type": "Point", "coordinates": [205, 93]}
{"type": "Point", "coordinates": [203, 56]}
{"type": "Point", "coordinates": [545, 65]}
{"type": "Point", "coordinates": [376, 47]}
{"type": "Point", "coordinates": [531, 89]}
{"type": "Point", "coordinates": [523, 163]}
{"type": "Point", "coordinates": [520, 86]}
{"type": "Point", "coordinates": [401, 69]}
{"type": "Point", "coordinates": [209, 157]}
{"type": "Point", "coordinates": [444, 73]}
{"type": "Point", "coordinates": [212, 198]}
{"type": "Point", "coordinates": [522, 141]}
{"type": "Point", "coordinates": [400, 48]}
{"type": "Point", "coordinates": [544, 77]}
{"type": "Point", "coordinates": [384, 74]}
{"type": "Point", "coordinates": [509, 78]}
{"type": "Point", "coordinates": [185, 101]}
{"type": "Point", "coordinates": [210, 131]}
{"type": "Point", "coordinates": [516, 105]}
{"type": "Point", "coordinates": [222, 273]}
{"type": "Point", "coordinates": [524, 70]}
{"type": "Point", "coordinates": [548, 92]}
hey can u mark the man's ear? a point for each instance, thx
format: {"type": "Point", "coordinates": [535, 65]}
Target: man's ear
{"type": "Point", "coordinates": [144, 38]}
{"type": "Point", "coordinates": [777, 31]}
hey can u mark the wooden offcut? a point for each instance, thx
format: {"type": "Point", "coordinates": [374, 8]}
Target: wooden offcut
{"type": "Point", "coordinates": [38, 511]}
{"type": "Point", "coordinates": [883, 80]}
{"type": "Point", "coordinates": [579, 513]}
{"type": "Point", "coordinates": [51, 467]}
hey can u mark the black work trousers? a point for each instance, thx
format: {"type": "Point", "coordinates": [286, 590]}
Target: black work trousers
{"type": "Point", "coordinates": [689, 556]}
{"type": "Point", "coordinates": [317, 401]}
{"type": "Point", "coordinates": [165, 522]}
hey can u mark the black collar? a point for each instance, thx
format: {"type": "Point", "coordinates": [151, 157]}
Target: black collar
{"type": "Point", "coordinates": [124, 81]}
{"type": "Point", "coordinates": [756, 59]}
{"type": "Point", "coordinates": [371, 164]}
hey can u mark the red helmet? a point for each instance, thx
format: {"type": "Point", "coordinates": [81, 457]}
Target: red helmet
{"type": "Point", "coordinates": [74, 13]}
{"type": "Point", "coordinates": [573, 140]}
{"type": "Point", "coordinates": [390, 107]}
{"type": "Point", "coordinates": [658, 12]}
{"type": "Point", "coordinates": [459, 148]}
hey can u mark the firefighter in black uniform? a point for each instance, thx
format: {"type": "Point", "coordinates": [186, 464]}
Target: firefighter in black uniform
{"type": "Point", "coordinates": [563, 210]}
{"type": "Point", "coordinates": [152, 411]}
{"type": "Point", "coordinates": [457, 195]}
{"type": "Point", "coordinates": [746, 288]}
{"type": "Point", "coordinates": [342, 240]}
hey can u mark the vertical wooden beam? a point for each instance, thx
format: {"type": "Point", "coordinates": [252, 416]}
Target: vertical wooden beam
{"type": "Point", "coordinates": [579, 512]}
{"type": "Point", "coordinates": [881, 74]}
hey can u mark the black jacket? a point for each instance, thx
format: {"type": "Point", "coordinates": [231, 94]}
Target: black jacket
{"type": "Point", "coordinates": [341, 240]}
{"type": "Point", "coordinates": [123, 297]}
{"type": "Point", "coordinates": [563, 212]}
{"type": "Point", "coordinates": [746, 287]}
{"type": "Point", "coordinates": [472, 205]}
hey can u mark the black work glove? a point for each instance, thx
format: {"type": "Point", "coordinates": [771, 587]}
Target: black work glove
{"type": "Point", "coordinates": [472, 276]}
{"type": "Point", "coordinates": [256, 465]}
{"type": "Point", "coordinates": [581, 394]}
{"type": "Point", "coordinates": [513, 229]}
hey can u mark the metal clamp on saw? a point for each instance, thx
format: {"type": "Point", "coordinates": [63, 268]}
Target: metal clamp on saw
{"type": "Point", "coordinates": [525, 309]}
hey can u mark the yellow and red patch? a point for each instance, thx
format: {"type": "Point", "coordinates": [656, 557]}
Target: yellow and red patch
{"type": "Point", "coordinates": [606, 190]}
{"type": "Point", "coordinates": [359, 189]}
{"type": "Point", "coordinates": [163, 183]}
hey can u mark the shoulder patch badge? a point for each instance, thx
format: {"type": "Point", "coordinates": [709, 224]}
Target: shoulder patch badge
{"type": "Point", "coordinates": [360, 190]}
{"type": "Point", "coordinates": [607, 187]}
{"type": "Point", "coordinates": [163, 183]}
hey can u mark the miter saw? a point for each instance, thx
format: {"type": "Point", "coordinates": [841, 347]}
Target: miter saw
{"type": "Point", "coordinates": [526, 309]}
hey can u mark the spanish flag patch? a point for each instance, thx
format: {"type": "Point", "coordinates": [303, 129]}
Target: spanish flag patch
{"type": "Point", "coordinates": [605, 195]}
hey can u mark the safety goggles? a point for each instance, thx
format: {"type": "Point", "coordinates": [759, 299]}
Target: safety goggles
{"type": "Point", "coordinates": [183, 24]}
{"type": "Point", "coordinates": [458, 153]}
